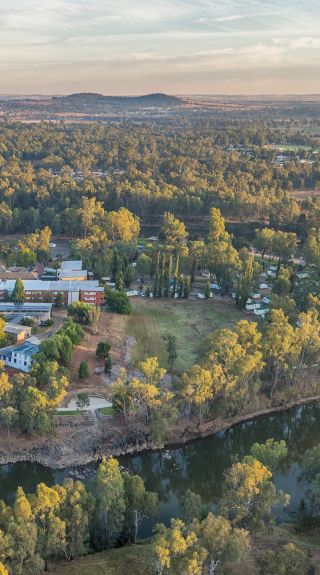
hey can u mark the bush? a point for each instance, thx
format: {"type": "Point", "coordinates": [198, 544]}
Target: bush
{"type": "Point", "coordinates": [118, 301]}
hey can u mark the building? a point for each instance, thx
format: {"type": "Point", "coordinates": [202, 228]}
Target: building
{"type": "Point", "coordinates": [20, 356]}
{"type": "Point", "coordinates": [17, 332]}
{"type": "Point", "coordinates": [72, 270]}
{"type": "Point", "coordinates": [46, 291]}
{"type": "Point", "coordinates": [15, 313]}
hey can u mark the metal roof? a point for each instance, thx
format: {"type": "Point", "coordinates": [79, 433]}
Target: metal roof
{"type": "Point", "coordinates": [26, 348]}
{"type": "Point", "coordinates": [72, 265]}
{"type": "Point", "coordinates": [8, 306]}
{"type": "Point", "coordinates": [39, 285]}
{"type": "Point", "coordinates": [15, 329]}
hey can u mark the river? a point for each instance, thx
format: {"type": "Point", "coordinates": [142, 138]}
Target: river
{"type": "Point", "coordinates": [198, 466]}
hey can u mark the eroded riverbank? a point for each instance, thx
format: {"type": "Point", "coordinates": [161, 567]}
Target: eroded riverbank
{"type": "Point", "coordinates": [90, 441]}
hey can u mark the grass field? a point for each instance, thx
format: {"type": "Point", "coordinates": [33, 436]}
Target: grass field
{"type": "Point", "coordinates": [188, 320]}
{"type": "Point", "coordinates": [75, 412]}
{"type": "Point", "coordinates": [107, 411]}
{"type": "Point", "coordinates": [136, 559]}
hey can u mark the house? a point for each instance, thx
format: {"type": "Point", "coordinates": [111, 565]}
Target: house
{"type": "Point", "coordinates": [20, 356]}
{"type": "Point", "coordinates": [264, 286]}
{"type": "Point", "coordinates": [17, 332]}
{"type": "Point", "coordinates": [44, 291]}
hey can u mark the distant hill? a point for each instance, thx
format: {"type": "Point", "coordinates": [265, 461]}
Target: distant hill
{"type": "Point", "coordinates": [81, 100]}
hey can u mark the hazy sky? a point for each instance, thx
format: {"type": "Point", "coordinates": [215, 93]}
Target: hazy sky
{"type": "Point", "coordinates": [175, 46]}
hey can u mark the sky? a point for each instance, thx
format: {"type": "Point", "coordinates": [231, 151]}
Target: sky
{"type": "Point", "coordinates": [173, 46]}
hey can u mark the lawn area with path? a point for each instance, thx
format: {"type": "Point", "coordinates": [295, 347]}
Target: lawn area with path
{"type": "Point", "coordinates": [189, 320]}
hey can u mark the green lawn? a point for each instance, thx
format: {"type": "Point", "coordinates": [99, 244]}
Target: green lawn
{"type": "Point", "coordinates": [107, 410]}
{"type": "Point", "coordinates": [136, 560]}
{"type": "Point", "coordinates": [75, 412]}
{"type": "Point", "coordinates": [188, 320]}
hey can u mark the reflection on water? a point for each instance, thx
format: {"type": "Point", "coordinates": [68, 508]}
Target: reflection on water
{"type": "Point", "coordinates": [198, 466]}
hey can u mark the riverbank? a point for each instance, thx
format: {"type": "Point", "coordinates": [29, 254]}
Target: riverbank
{"type": "Point", "coordinates": [67, 448]}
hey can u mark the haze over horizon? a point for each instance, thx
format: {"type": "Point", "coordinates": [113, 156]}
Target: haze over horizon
{"type": "Point", "coordinates": [178, 47]}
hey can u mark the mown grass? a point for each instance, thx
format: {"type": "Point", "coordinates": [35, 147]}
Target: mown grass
{"type": "Point", "coordinates": [189, 320]}
{"type": "Point", "coordinates": [75, 412]}
{"type": "Point", "coordinates": [107, 410]}
{"type": "Point", "coordinates": [136, 560]}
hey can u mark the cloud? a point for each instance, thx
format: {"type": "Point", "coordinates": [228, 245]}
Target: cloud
{"type": "Point", "coordinates": [157, 39]}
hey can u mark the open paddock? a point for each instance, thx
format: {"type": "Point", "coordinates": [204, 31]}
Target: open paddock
{"type": "Point", "coordinates": [189, 320]}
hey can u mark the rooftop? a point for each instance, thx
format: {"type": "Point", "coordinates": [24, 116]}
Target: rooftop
{"type": "Point", "coordinates": [14, 329]}
{"type": "Point", "coordinates": [24, 307]}
{"type": "Point", "coordinates": [71, 265]}
{"type": "Point", "coordinates": [27, 348]}
{"type": "Point", "coordinates": [39, 285]}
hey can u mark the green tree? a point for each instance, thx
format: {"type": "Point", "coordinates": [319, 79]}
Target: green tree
{"type": "Point", "coordinates": [103, 349]}
{"type": "Point", "coordinates": [288, 560]}
{"type": "Point", "coordinates": [83, 371]}
{"type": "Point", "coordinates": [118, 302]}
{"type": "Point", "coordinates": [139, 502]}
{"type": "Point", "coordinates": [18, 294]}
{"type": "Point", "coordinates": [269, 453]}
{"type": "Point", "coordinates": [83, 400]}
{"type": "Point", "coordinates": [110, 501]}
{"type": "Point", "coordinates": [207, 290]}
{"type": "Point", "coordinates": [171, 348]}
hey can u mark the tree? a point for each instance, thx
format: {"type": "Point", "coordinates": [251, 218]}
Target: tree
{"type": "Point", "coordinates": [122, 225]}
{"type": "Point", "coordinates": [171, 348]}
{"type": "Point", "coordinates": [103, 349]}
{"type": "Point", "coordinates": [278, 346]}
{"type": "Point", "coordinates": [83, 371]}
{"type": "Point", "coordinates": [245, 280]}
{"type": "Point", "coordinates": [144, 263]}
{"type": "Point", "coordinates": [18, 294]}
{"type": "Point", "coordinates": [199, 386]}
{"type": "Point", "coordinates": [81, 311]}
{"type": "Point", "coordinates": [249, 494]}
{"type": "Point", "coordinates": [95, 318]}
{"type": "Point", "coordinates": [108, 365]}
{"type": "Point", "coordinates": [77, 512]}
{"type": "Point", "coordinates": [139, 502]}
{"type": "Point", "coordinates": [269, 453]}
{"type": "Point", "coordinates": [83, 400]}
{"type": "Point", "coordinates": [174, 233]}
{"type": "Point", "coordinates": [89, 212]}
{"type": "Point", "coordinates": [118, 302]}
{"type": "Point", "coordinates": [151, 370]}
{"type": "Point", "coordinates": [119, 281]}
{"type": "Point", "coordinates": [8, 416]}
{"type": "Point", "coordinates": [207, 290]}
{"type": "Point", "coordinates": [221, 541]}
{"type": "Point", "coordinates": [192, 506]}
{"type": "Point", "coordinates": [288, 560]}
{"type": "Point", "coordinates": [110, 500]}
{"type": "Point", "coordinates": [217, 231]}
{"type": "Point", "coordinates": [311, 248]}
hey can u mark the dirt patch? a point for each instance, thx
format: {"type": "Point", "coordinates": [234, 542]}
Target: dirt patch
{"type": "Point", "coordinates": [112, 328]}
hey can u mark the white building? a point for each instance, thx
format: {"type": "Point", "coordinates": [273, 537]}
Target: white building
{"type": "Point", "coordinates": [20, 356]}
